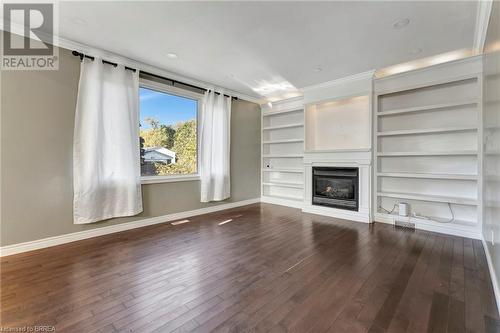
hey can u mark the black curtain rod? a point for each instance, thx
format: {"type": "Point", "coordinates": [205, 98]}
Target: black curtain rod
{"type": "Point", "coordinates": [81, 55]}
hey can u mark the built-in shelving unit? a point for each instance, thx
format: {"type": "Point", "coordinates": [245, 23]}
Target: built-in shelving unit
{"type": "Point", "coordinates": [427, 152]}
{"type": "Point", "coordinates": [282, 153]}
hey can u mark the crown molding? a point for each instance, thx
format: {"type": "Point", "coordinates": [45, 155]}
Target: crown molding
{"type": "Point", "coordinates": [129, 62]}
{"type": "Point", "coordinates": [368, 75]}
{"type": "Point", "coordinates": [288, 100]}
{"type": "Point", "coordinates": [294, 103]}
{"type": "Point", "coordinates": [474, 58]}
{"type": "Point", "coordinates": [482, 19]}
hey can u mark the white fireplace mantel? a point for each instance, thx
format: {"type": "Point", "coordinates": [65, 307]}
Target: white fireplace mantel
{"type": "Point", "coordinates": [357, 158]}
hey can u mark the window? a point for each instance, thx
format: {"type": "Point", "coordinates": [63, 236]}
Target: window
{"type": "Point", "coordinates": [168, 120]}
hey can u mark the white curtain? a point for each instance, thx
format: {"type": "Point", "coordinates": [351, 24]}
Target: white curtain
{"type": "Point", "coordinates": [215, 133]}
{"type": "Point", "coordinates": [106, 161]}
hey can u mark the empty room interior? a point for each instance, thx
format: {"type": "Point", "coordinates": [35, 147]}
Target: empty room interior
{"type": "Point", "coordinates": [250, 166]}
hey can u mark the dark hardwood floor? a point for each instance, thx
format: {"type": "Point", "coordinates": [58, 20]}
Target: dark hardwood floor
{"type": "Point", "coordinates": [270, 269]}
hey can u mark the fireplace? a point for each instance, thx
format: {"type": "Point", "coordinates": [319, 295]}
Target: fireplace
{"type": "Point", "coordinates": [335, 187]}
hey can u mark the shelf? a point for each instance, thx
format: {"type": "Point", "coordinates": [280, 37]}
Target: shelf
{"type": "Point", "coordinates": [427, 175]}
{"type": "Point", "coordinates": [428, 131]}
{"type": "Point", "coordinates": [491, 178]}
{"type": "Point", "coordinates": [283, 141]}
{"type": "Point", "coordinates": [282, 156]}
{"type": "Point", "coordinates": [492, 152]}
{"type": "Point", "coordinates": [282, 126]}
{"type": "Point", "coordinates": [283, 170]}
{"type": "Point", "coordinates": [285, 197]}
{"type": "Point", "coordinates": [430, 198]}
{"type": "Point", "coordinates": [268, 114]}
{"type": "Point", "coordinates": [427, 108]}
{"type": "Point", "coordinates": [284, 184]}
{"type": "Point", "coordinates": [429, 153]}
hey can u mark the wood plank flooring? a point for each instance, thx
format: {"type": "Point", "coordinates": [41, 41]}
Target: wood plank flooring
{"type": "Point", "coordinates": [270, 268]}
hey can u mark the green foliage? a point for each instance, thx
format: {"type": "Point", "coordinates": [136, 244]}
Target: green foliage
{"type": "Point", "coordinates": [185, 149]}
{"type": "Point", "coordinates": [181, 139]}
{"type": "Point", "coordinates": [158, 135]}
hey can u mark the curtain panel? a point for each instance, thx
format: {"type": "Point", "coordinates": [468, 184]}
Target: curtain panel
{"type": "Point", "coordinates": [106, 159]}
{"type": "Point", "coordinates": [215, 134]}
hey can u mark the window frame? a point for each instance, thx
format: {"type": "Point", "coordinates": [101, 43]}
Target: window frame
{"type": "Point", "coordinates": [171, 90]}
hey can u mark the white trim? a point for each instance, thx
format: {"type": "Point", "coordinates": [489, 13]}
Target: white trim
{"type": "Point", "coordinates": [76, 236]}
{"type": "Point", "coordinates": [368, 75]}
{"type": "Point", "coordinates": [454, 230]}
{"type": "Point", "coordinates": [442, 78]}
{"type": "Point", "coordinates": [482, 21]}
{"type": "Point", "coordinates": [447, 229]}
{"type": "Point", "coordinates": [360, 93]}
{"type": "Point", "coordinates": [493, 275]}
{"type": "Point", "coordinates": [289, 101]}
{"type": "Point", "coordinates": [187, 94]}
{"type": "Point", "coordinates": [363, 215]}
{"type": "Point", "coordinates": [340, 150]}
{"type": "Point", "coordinates": [282, 202]}
{"type": "Point", "coordinates": [169, 179]}
{"type": "Point", "coordinates": [343, 88]}
{"type": "Point", "coordinates": [283, 106]}
{"type": "Point", "coordinates": [129, 62]}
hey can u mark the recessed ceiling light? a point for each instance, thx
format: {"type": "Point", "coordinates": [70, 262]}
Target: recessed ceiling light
{"type": "Point", "coordinates": [172, 55]}
{"type": "Point", "coordinates": [318, 69]}
{"type": "Point", "coordinates": [401, 23]}
{"type": "Point", "coordinates": [78, 21]}
{"type": "Point", "coordinates": [416, 51]}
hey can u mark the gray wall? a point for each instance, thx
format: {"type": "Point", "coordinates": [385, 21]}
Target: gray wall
{"type": "Point", "coordinates": [491, 123]}
{"type": "Point", "coordinates": [37, 115]}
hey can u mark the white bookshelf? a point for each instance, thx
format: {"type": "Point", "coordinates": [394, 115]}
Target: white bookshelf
{"type": "Point", "coordinates": [282, 153]}
{"type": "Point", "coordinates": [427, 142]}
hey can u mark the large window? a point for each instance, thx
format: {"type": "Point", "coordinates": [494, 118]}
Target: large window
{"type": "Point", "coordinates": [168, 119]}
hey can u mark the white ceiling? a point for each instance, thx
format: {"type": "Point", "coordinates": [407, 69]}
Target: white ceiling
{"type": "Point", "coordinates": [270, 48]}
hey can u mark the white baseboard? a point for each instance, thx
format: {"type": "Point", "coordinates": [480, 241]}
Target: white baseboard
{"type": "Point", "coordinates": [76, 236]}
{"type": "Point", "coordinates": [493, 275]}
{"type": "Point", "coordinates": [357, 216]}
{"type": "Point", "coordinates": [447, 229]}
{"type": "Point", "coordinates": [282, 202]}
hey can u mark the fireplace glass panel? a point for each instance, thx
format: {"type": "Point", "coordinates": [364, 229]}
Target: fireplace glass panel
{"type": "Point", "coordinates": [336, 187]}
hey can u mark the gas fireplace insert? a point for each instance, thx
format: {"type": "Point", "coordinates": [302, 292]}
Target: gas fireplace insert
{"type": "Point", "coordinates": [335, 187]}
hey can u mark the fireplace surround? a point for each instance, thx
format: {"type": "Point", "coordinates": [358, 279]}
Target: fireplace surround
{"type": "Point", "coordinates": [346, 160]}
{"type": "Point", "coordinates": [336, 187]}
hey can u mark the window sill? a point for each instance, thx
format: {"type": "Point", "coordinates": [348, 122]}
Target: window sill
{"type": "Point", "coordinates": [169, 179]}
